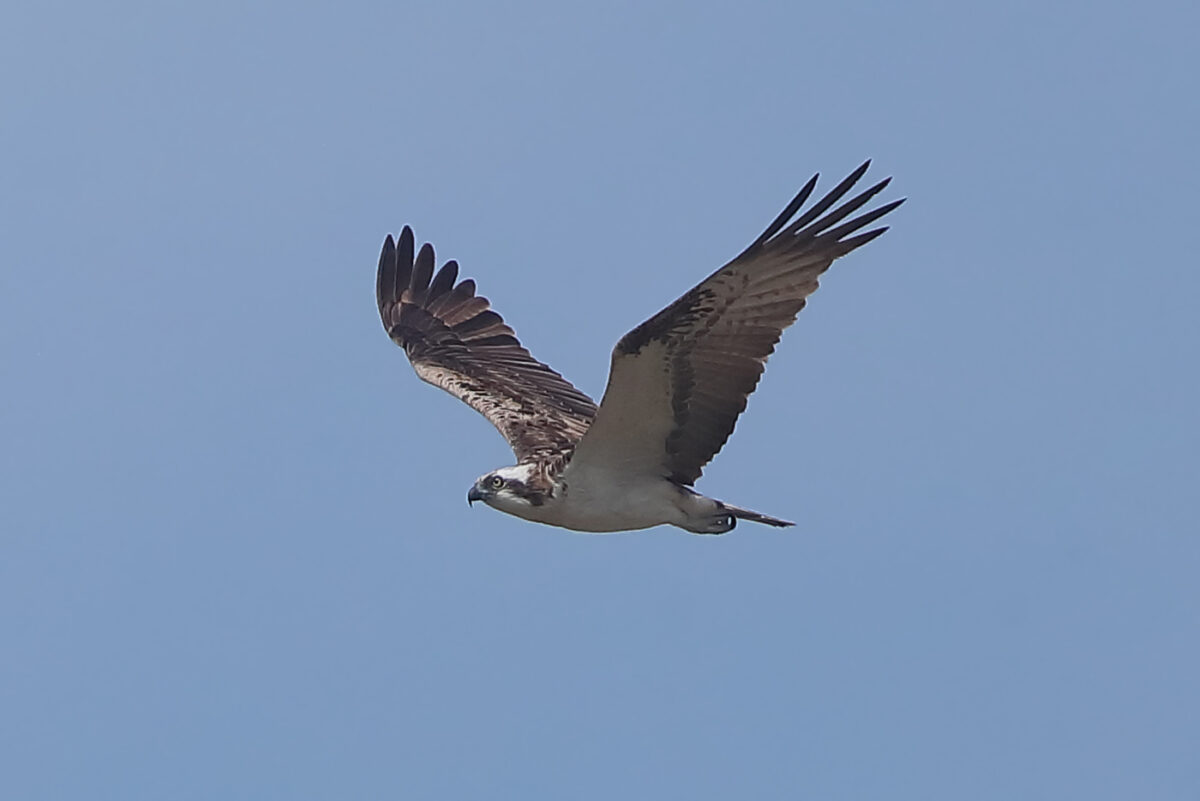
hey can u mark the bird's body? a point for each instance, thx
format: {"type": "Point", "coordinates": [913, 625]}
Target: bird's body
{"type": "Point", "coordinates": [676, 386]}
{"type": "Point", "coordinates": [602, 500]}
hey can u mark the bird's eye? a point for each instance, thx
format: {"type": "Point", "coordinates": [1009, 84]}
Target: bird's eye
{"type": "Point", "coordinates": [496, 482]}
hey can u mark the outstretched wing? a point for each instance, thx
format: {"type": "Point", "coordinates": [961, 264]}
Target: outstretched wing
{"type": "Point", "coordinates": [679, 380]}
{"type": "Point", "coordinates": [456, 342]}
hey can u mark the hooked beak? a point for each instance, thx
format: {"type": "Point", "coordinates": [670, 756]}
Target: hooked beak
{"type": "Point", "coordinates": [474, 495]}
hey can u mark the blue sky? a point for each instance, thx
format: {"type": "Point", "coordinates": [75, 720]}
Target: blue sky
{"type": "Point", "coordinates": [235, 557]}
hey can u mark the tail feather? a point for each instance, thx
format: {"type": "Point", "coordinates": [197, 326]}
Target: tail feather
{"type": "Point", "coordinates": [755, 517]}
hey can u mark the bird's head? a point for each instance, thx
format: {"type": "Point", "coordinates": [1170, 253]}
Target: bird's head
{"type": "Point", "coordinates": [515, 490]}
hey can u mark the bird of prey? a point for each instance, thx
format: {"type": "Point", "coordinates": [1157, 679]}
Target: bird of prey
{"type": "Point", "coordinates": [676, 385]}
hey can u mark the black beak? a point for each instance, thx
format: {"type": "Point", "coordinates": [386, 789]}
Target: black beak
{"type": "Point", "coordinates": [474, 495]}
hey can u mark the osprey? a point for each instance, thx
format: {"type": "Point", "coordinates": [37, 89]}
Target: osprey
{"type": "Point", "coordinates": [676, 385]}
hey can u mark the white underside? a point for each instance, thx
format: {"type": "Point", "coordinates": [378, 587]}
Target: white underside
{"type": "Point", "coordinates": [614, 501]}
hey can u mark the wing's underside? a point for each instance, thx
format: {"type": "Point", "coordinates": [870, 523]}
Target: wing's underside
{"type": "Point", "coordinates": [679, 380]}
{"type": "Point", "coordinates": [456, 342]}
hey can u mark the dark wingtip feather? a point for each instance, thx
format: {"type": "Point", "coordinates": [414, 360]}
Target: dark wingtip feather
{"type": "Point", "coordinates": [385, 276]}
{"type": "Point", "coordinates": [443, 282]}
{"type": "Point", "coordinates": [831, 197]}
{"type": "Point", "coordinates": [404, 246]}
{"type": "Point", "coordinates": [422, 269]}
{"type": "Point", "coordinates": [855, 242]}
{"type": "Point", "coordinates": [788, 211]}
{"type": "Point", "coordinates": [404, 261]}
{"type": "Point", "coordinates": [845, 210]}
{"type": "Point", "coordinates": [861, 221]}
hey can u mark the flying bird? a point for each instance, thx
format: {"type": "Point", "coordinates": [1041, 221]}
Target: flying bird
{"type": "Point", "coordinates": [676, 385]}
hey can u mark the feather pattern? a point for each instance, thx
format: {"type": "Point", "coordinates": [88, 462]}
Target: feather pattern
{"type": "Point", "coordinates": [679, 380]}
{"type": "Point", "coordinates": [457, 343]}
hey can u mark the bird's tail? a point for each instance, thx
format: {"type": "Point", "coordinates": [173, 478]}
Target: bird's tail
{"type": "Point", "coordinates": [755, 517]}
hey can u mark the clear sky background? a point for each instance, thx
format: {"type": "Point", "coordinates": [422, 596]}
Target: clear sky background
{"type": "Point", "coordinates": [236, 561]}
